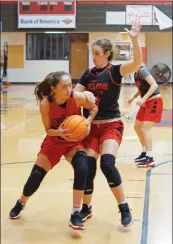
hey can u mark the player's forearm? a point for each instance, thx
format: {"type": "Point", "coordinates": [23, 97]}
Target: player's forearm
{"type": "Point", "coordinates": [92, 113]}
{"type": "Point", "coordinates": [137, 52]}
{"type": "Point", "coordinates": [52, 132]}
{"type": "Point", "coordinates": [132, 66]}
{"type": "Point", "coordinates": [136, 94]}
{"type": "Point", "coordinates": [150, 91]}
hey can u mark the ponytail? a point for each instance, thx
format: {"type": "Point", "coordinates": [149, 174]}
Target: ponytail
{"type": "Point", "coordinates": [43, 89]}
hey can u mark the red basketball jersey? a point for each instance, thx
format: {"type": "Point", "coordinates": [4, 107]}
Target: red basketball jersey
{"type": "Point", "coordinates": [58, 113]}
{"type": "Point", "coordinates": [54, 147]}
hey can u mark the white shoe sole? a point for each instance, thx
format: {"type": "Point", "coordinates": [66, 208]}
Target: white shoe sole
{"type": "Point", "coordinates": [139, 160]}
{"type": "Point", "coordinates": [87, 217]}
{"type": "Point", "coordinates": [16, 217]}
{"type": "Point", "coordinates": [76, 227]}
{"type": "Point", "coordinates": [126, 226]}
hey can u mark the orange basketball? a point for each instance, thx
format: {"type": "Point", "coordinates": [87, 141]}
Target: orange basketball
{"type": "Point", "coordinates": [77, 125]}
{"type": "Point", "coordinates": [7, 84]}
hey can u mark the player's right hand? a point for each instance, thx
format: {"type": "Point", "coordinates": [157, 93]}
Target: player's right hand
{"type": "Point", "coordinates": [135, 29]}
{"type": "Point", "coordinates": [63, 132]}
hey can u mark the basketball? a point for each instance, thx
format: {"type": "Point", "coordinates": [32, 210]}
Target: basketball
{"type": "Point", "coordinates": [7, 84]}
{"type": "Point", "coordinates": [77, 125]}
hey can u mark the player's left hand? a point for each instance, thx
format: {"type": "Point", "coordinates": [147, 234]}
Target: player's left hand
{"type": "Point", "coordinates": [130, 100]}
{"type": "Point", "coordinates": [135, 29]}
{"type": "Point", "coordinates": [65, 134]}
{"type": "Point", "coordinates": [90, 97]}
{"type": "Point", "coordinates": [141, 102]}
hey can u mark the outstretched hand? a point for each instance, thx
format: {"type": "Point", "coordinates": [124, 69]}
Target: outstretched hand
{"type": "Point", "coordinates": [135, 29]}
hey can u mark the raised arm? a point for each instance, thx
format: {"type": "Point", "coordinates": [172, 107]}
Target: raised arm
{"type": "Point", "coordinates": [132, 66]}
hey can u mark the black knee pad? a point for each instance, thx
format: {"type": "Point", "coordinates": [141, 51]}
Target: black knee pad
{"type": "Point", "coordinates": [34, 180]}
{"type": "Point", "coordinates": [79, 163]}
{"type": "Point", "coordinates": [92, 167]}
{"type": "Point", "coordinates": [107, 164]}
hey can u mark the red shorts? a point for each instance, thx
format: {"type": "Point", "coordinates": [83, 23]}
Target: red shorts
{"type": "Point", "coordinates": [100, 133]}
{"type": "Point", "coordinates": [53, 148]}
{"type": "Point", "coordinates": [152, 112]}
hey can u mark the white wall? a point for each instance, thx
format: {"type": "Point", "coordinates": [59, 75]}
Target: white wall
{"type": "Point", "coordinates": [159, 49]}
{"type": "Point", "coordinates": [33, 71]}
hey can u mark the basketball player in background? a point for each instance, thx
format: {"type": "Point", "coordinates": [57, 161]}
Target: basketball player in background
{"type": "Point", "coordinates": [150, 111]}
{"type": "Point", "coordinates": [104, 81]}
{"type": "Point", "coordinates": [57, 102]}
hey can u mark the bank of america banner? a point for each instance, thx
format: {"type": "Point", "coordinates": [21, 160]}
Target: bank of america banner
{"type": "Point", "coordinates": [52, 14]}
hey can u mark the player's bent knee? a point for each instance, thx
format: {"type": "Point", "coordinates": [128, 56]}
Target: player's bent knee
{"type": "Point", "coordinates": [107, 164]}
{"type": "Point", "coordinates": [91, 153]}
{"type": "Point", "coordinates": [144, 130]}
{"type": "Point", "coordinates": [79, 163]}
{"type": "Point", "coordinates": [34, 180]}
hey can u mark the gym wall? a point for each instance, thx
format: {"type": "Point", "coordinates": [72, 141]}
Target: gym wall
{"type": "Point", "coordinates": [91, 20]}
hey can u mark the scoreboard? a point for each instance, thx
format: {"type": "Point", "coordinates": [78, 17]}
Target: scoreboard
{"type": "Point", "coordinates": [52, 14]}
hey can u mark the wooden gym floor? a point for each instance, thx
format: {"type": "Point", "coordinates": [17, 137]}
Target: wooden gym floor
{"type": "Point", "coordinates": [45, 218]}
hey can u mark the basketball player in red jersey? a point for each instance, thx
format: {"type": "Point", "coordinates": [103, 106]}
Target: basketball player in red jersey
{"type": "Point", "coordinates": [150, 111]}
{"type": "Point", "coordinates": [104, 81]}
{"type": "Point", "coordinates": [57, 102]}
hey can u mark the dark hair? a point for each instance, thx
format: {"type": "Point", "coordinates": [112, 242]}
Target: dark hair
{"type": "Point", "coordinates": [106, 45]}
{"type": "Point", "coordinates": [44, 88]}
